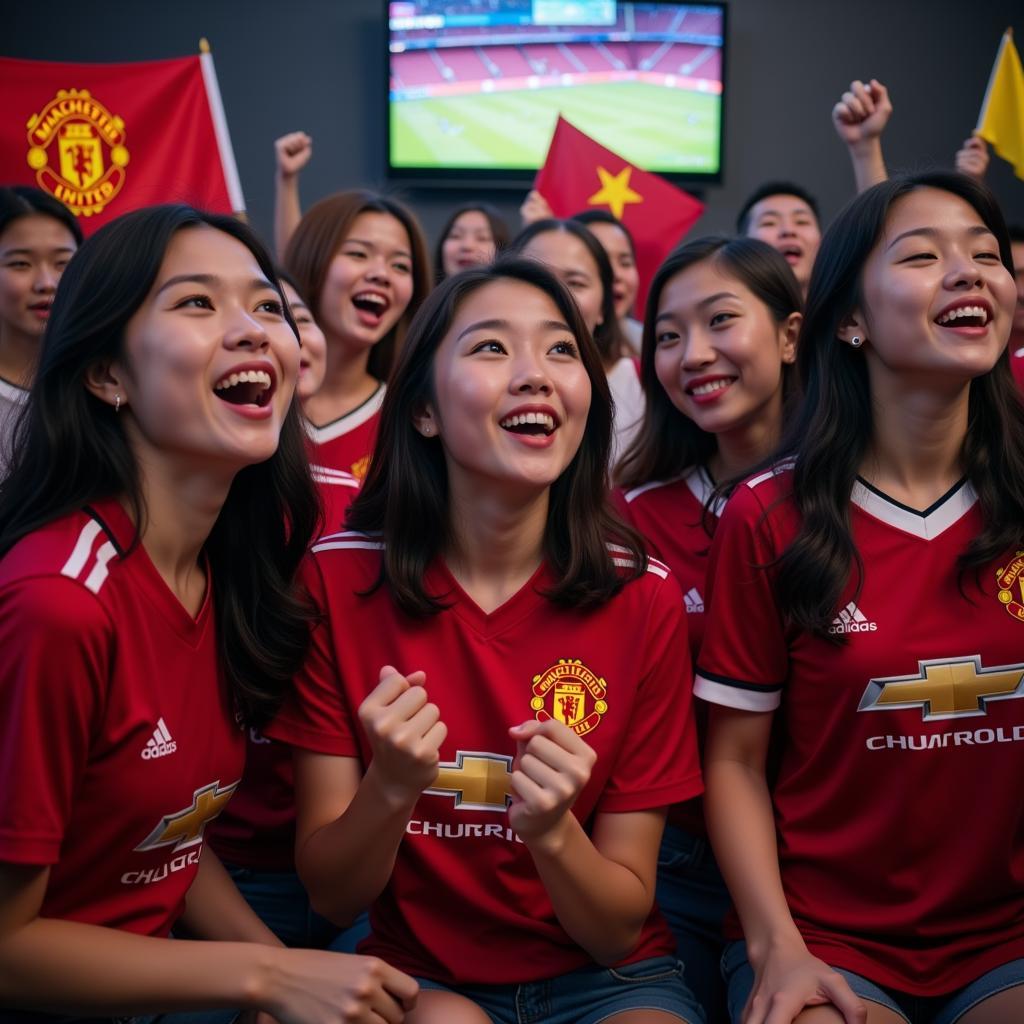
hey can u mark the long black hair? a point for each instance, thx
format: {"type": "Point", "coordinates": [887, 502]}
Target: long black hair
{"type": "Point", "coordinates": [71, 450]}
{"type": "Point", "coordinates": [405, 495]}
{"type": "Point", "coordinates": [669, 443]}
{"type": "Point", "coordinates": [830, 436]}
{"type": "Point", "coordinates": [608, 334]}
{"type": "Point", "coordinates": [499, 232]}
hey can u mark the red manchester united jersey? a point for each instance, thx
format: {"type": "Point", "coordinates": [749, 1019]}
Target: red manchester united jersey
{"type": "Point", "coordinates": [898, 804]}
{"type": "Point", "coordinates": [617, 675]}
{"type": "Point", "coordinates": [118, 743]}
{"type": "Point", "coordinates": [671, 516]}
{"type": "Point", "coordinates": [347, 443]}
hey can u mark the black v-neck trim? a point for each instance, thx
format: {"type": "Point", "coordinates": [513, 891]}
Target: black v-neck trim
{"type": "Point", "coordinates": [933, 507]}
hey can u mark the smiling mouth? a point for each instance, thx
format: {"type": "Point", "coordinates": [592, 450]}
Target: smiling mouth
{"type": "Point", "coordinates": [710, 387]}
{"type": "Point", "coordinates": [964, 316]}
{"type": "Point", "coordinates": [531, 423]}
{"type": "Point", "coordinates": [792, 253]}
{"type": "Point", "coordinates": [372, 304]}
{"type": "Point", "coordinates": [250, 387]}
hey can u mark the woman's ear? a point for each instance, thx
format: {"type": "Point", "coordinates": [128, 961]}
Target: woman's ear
{"type": "Point", "coordinates": [425, 421]}
{"type": "Point", "coordinates": [105, 380]}
{"type": "Point", "coordinates": [853, 329]}
{"type": "Point", "coordinates": [789, 332]}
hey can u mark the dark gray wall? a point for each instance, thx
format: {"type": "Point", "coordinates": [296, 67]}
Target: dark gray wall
{"type": "Point", "coordinates": [318, 65]}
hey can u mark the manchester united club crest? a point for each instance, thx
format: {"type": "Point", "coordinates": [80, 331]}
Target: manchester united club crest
{"type": "Point", "coordinates": [76, 148]}
{"type": "Point", "coordinates": [570, 693]}
{"type": "Point", "coordinates": [1011, 586]}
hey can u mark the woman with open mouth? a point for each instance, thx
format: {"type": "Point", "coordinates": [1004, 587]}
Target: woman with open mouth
{"type": "Point", "coordinates": [717, 364]}
{"type": "Point", "coordinates": [478, 754]}
{"type": "Point", "coordinates": [865, 624]}
{"type": "Point", "coordinates": [361, 261]}
{"type": "Point", "coordinates": [38, 236]}
{"type": "Point", "coordinates": [150, 528]}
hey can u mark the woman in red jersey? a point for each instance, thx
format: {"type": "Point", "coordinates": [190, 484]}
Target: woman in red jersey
{"type": "Point", "coordinates": [361, 262]}
{"type": "Point", "coordinates": [150, 528]}
{"type": "Point", "coordinates": [866, 617]}
{"type": "Point", "coordinates": [722, 320]}
{"type": "Point", "coordinates": [38, 236]}
{"type": "Point", "coordinates": [500, 792]}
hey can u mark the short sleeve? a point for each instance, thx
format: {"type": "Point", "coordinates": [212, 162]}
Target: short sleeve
{"type": "Point", "coordinates": [744, 657]}
{"type": "Point", "coordinates": [658, 763]}
{"type": "Point", "coordinates": [55, 651]}
{"type": "Point", "coordinates": [315, 716]}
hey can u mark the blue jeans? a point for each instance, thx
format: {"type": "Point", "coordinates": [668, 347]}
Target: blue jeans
{"type": "Point", "coordinates": [693, 900]}
{"type": "Point", "coordinates": [282, 904]}
{"type": "Point", "coordinates": [586, 996]}
{"type": "Point", "coordinates": [943, 1009]}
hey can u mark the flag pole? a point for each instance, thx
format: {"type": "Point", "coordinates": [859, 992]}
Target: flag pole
{"type": "Point", "coordinates": [1008, 34]}
{"type": "Point", "coordinates": [220, 128]}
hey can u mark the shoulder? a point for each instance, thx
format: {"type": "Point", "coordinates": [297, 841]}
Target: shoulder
{"type": "Point", "coordinates": [328, 477]}
{"type": "Point", "coordinates": [347, 560]}
{"type": "Point", "coordinates": [652, 490]}
{"type": "Point", "coordinates": [765, 492]}
{"type": "Point", "coordinates": [656, 579]}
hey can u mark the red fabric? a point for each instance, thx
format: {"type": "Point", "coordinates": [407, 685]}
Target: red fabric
{"type": "Point", "coordinates": [462, 881]}
{"type": "Point", "coordinates": [118, 742]}
{"type": "Point", "coordinates": [897, 803]}
{"type": "Point", "coordinates": [154, 115]}
{"type": "Point", "coordinates": [569, 180]}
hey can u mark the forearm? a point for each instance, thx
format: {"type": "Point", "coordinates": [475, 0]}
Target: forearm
{"type": "Point", "coordinates": [601, 904]}
{"type": "Point", "coordinates": [868, 163]}
{"type": "Point", "coordinates": [216, 910]}
{"type": "Point", "coordinates": [346, 864]}
{"type": "Point", "coordinates": [740, 822]}
{"type": "Point", "coordinates": [287, 211]}
{"type": "Point", "coordinates": [68, 967]}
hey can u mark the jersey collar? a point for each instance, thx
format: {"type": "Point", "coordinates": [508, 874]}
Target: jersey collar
{"type": "Point", "coordinates": [926, 525]}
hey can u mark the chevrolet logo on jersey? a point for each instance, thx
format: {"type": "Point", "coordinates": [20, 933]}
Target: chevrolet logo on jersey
{"type": "Point", "coordinates": [185, 828]}
{"type": "Point", "coordinates": [479, 782]}
{"type": "Point", "coordinates": [944, 688]}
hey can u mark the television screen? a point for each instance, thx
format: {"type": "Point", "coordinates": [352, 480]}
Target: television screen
{"type": "Point", "coordinates": [476, 85]}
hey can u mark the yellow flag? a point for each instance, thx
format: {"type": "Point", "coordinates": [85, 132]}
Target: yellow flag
{"type": "Point", "coordinates": [1002, 112]}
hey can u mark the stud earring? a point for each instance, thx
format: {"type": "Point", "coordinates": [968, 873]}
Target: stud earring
{"type": "Point", "coordinates": [427, 430]}
{"type": "Point", "coordinates": [117, 403]}
{"type": "Point", "coordinates": [856, 341]}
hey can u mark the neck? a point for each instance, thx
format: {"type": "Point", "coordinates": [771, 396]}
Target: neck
{"type": "Point", "coordinates": [18, 355]}
{"type": "Point", "coordinates": [347, 383]}
{"type": "Point", "coordinates": [499, 542]}
{"type": "Point", "coordinates": [916, 450]}
{"type": "Point", "coordinates": [182, 505]}
{"type": "Point", "coordinates": [741, 449]}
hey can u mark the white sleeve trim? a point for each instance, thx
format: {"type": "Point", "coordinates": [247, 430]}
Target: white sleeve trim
{"type": "Point", "coordinates": [736, 696]}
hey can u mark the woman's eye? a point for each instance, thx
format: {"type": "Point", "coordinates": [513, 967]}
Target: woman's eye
{"type": "Point", "coordinates": [720, 318]}
{"type": "Point", "coordinates": [989, 256]}
{"type": "Point", "coordinates": [565, 348]}
{"type": "Point", "coordinates": [402, 267]}
{"type": "Point", "coordinates": [274, 306]}
{"type": "Point", "coordinates": [195, 302]}
{"type": "Point", "coordinates": [666, 338]}
{"type": "Point", "coordinates": [355, 254]}
{"type": "Point", "coordinates": [919, 256]}
{"type": "Point", "coordinates": [17, 264]}
{"type": "Point", "coordinates": [495, 347]}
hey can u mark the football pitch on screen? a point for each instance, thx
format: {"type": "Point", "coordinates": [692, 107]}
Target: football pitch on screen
{"type": "Point", "coordinates": [656, 128]}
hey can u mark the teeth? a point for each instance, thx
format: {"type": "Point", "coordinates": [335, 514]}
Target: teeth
{"type": "Point", "coordinates": [962, 311]}
{"type": "Point", "coordinates": [245, 377]}
{"type": "Point", "coordinates": [378, 300]}
{"type": "Point", "coordinates": [707, 389]}
{"type": "Point", "coordinates": [542, 418]}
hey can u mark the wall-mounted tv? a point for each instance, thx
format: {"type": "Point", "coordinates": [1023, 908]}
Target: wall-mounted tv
{"type": "Point", "coordinates": [475, 86]}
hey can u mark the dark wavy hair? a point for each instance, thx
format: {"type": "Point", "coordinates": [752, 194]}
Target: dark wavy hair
{"type": "Point", "coordinates": [18, 201]}
{"type": "Point", "coordinates": [668, 443]}
{"type": "Point", "coordinates": [71, 450]}
{"type": "Point", "coordinates": [608, 334]}
{"type": "Point", "coordinates": [499, 232]}
{"type": "Point", "coordinates": [829, 438]}
{"type": "Point", "coordinates": [322, 232]}
{"type": "Point", "coordinates": [405, 495]}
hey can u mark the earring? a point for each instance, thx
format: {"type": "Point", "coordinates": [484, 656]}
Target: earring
{"type": "Point", "coordinates": [427, 430]}
{"type": "Point", "coordinates": [856, 341]}
{"type": "Point", "coordinates": [117, 403]}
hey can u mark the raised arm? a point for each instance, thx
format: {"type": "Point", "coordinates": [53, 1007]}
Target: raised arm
{"type": "Point", "coordinates": [859, 118]}
{"type": "Point", "coordinates": [972, 158]}
{"type": "Point", "coordinates": [293, 151]}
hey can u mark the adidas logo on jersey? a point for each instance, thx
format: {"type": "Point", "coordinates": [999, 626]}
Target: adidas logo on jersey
{"type": "Point", "coordinates": [160, 744]}
{"type": "Point", "coordinates": [852, 620]}
{"type": "Point", "coordinates": [694, 602]}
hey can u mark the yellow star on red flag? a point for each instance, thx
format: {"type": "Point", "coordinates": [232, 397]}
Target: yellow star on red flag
{"type": "Point", "coordinates": [615, 191]}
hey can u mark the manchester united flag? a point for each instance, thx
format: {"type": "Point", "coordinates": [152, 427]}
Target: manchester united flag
{"type": "Point", "coordinates": [580, 174]}
{"type": "Point", "coordinates": [109, 138]}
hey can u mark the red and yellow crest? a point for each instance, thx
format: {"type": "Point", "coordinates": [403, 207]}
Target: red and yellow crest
{"type": "Point", "coordinates": [571, 693]}
{"type": "Point", "coordinates": [1011, 586]}
{"type": "Point", "coordinates": [76, 148]}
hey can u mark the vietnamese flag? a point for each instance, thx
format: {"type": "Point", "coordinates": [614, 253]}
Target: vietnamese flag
{"type": "Point", "coordinates": [580, 173]}
{"type": "Point", "coordinates": [109, 138]}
